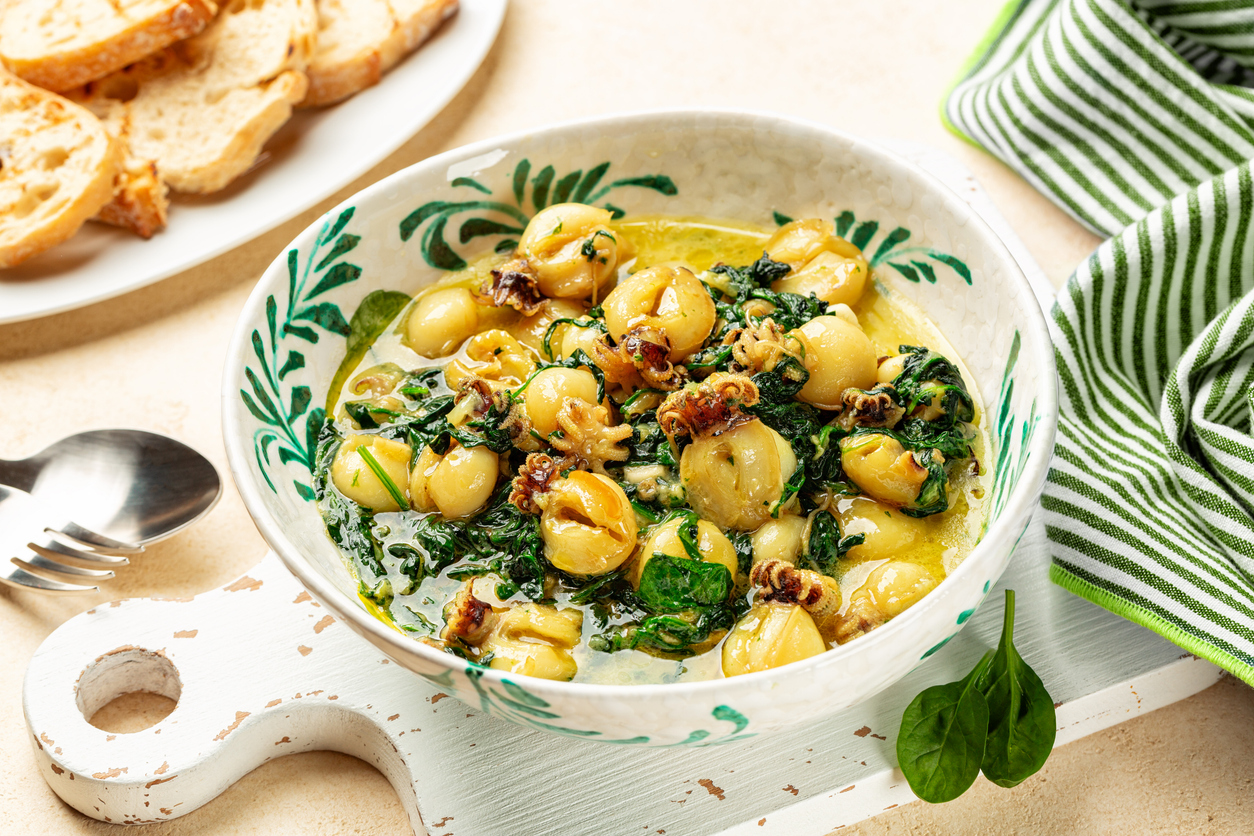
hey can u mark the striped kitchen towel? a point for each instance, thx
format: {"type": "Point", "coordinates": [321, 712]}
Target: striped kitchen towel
{"type": "Point", "coordinates": [1138, 120]}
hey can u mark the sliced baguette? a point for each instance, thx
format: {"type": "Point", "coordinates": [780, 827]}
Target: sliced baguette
{"type": "Point", "coordinates": [140, 200]}
{"type": "Point", "coordinates": [62, 44]}
{"type": "Point", "coordinates": [140, 197]}
{"type": "Point", "coordinates": [360, 40]}
{"type": "Point", "coordinates": [57, 165]}
{"type": "Point", "coordinates": [203, 108]}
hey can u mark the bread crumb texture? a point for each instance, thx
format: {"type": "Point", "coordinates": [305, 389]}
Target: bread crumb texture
{"type": "Point", "coordinates": [202, 109]}
{"type": "Point", "coordinates": [61, 44]}
{"type": "Point", "coordinates": [57, 167]}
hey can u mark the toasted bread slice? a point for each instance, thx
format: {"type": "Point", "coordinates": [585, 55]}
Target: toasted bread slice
{"type": "Point", "coordinates": [62, 44]}
{"type": "Point", "coordinates": [57, 165]}
{"type": "Point", "coordinates": [140, 201]}
{"type": "Point", "coordinates": [360, 40]}
{"type": "Point", "coordinates": [140, 197]}
{"type": "Point", "coordinates": [204, 107]}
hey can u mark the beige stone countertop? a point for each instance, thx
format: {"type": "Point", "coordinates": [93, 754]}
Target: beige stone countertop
{"type": "Point", "coordinates": [153, 359]}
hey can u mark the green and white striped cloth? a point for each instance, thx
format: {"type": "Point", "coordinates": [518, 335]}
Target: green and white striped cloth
{"type": "Point", "coordinates": [1137, 119]}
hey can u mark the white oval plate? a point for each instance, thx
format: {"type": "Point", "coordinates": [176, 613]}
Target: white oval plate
{"type": "Point", "coordinates": [314, 155]}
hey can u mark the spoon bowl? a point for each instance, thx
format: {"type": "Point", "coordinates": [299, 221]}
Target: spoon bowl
{"type": "Point", "coordinates": [130, 485]}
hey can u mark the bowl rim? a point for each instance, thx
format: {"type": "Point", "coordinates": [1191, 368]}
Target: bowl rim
{"type": "Point", "coordinates": [1024, 495]}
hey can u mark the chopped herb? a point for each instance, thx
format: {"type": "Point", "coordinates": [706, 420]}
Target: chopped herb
{"type": "Point", "coordinates": [377, 469]}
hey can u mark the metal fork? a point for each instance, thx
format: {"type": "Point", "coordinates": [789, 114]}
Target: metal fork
{"type": "Point", "coordinates": [35, 537]}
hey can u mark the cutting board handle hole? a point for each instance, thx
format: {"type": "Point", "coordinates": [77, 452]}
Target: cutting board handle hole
{"type": "Point", "coordinates": [124, 671]}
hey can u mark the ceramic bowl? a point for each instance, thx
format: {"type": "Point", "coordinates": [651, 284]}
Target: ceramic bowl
{"type": "Point", "coordinates": [401, 233]}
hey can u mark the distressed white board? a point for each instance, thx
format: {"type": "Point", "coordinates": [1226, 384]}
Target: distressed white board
{"type": "Point", "coordinates": [261, 671]}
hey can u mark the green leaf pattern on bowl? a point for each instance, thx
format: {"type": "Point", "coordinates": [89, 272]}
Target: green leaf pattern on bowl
{"type": "Point", "coordinates": [510, 216]}
{"type": "Point", "coordinates": [509, 700]}
{"type": "Point", "coordinates": [280, 408]}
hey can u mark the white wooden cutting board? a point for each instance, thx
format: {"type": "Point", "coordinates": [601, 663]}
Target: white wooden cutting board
{"type": "Point", "coordinates": [260, 670]}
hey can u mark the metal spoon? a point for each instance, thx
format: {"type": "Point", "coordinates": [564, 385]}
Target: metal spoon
{"type": "Point", "coordinates": [130, 485]}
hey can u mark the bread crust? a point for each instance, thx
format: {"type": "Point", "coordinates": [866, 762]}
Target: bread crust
{"type": "Point", "coordinates": [62, 64]}
{"type": "Point", "coordinates": [334, 76]}
{"type": "Point", "coordinates": [203, 108]}
{"type": "Point", "coordinates": [57, 166]}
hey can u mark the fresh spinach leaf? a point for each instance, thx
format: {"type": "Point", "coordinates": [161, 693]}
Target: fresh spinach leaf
{"type": "Point", "coordinates": [1022, 721]}
{"type": "Point", "coordinates": [999, 718]}
{"type": "Point", "coordinates": [942, 739]}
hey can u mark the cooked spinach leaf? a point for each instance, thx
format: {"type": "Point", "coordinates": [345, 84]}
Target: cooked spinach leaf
{"type": "Point", "coordinates": [933, 496]}
{"type": "Point", "coordinates": [585, 322]}
{"type": "Point", "coordinates": [792, 310]}
{"type": "Point", "coordinates": [826, 546]}
{"type": "Point", "coordinates": [380, 594]}
{"type": "Point", "coordinates": [952, 439]}
{"type": "Point", "coordinates": [930, 378]}
{"type": "Point", "coordinates": [671, 584]}
{"type": "Point", "coordinates": [740, 284]}
{"type": "Point", "coordinates": [359, 411]}
{"type": "Point", "coordinates": [421, 383]}
{"type": "Point", "coordinates": [348, 524]}
{"type": "Point", "coordinates": [801, 425]}
{"type": "Point", "coordinates": [648, 444]}
{"type": "Point", "coordinates": [676, 634]}
{"type": "Point", "coordinates": [486, 431]}
{"type": "Point", "coordinates": [760, 274]}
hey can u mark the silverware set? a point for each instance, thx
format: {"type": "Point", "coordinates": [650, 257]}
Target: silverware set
{"type": "Point", "coordinates": [73, 513]}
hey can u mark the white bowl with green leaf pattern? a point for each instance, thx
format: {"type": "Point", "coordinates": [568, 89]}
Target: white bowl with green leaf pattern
{"type": "Point", "coordinates": [364, 259]}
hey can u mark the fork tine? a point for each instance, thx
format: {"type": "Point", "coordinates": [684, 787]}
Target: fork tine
{"type": "Point", "coordinates": [40, 563]}
{"type": "Point", "coordinates": [86, 535]}
{"type": "Point", "coordinates": [55, 549]}
{"type": "Point", "coordinates": [21, 579]}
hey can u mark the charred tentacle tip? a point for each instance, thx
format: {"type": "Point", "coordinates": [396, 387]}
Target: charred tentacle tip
{"type": "Point", "coordinates": [515, 285]}
{"type": "Point", "coordinates": [642, 355]}
{"type": "Point", "coordinates": [877, 407]}
{"type": "Point", "coordinates": [861, 618]}
{"type": "Point", "coordinates": [467, 619]}
{"type": "Point", "coordinates": [781, 581]}
{"type": "Point", "coordinates": [534, 479]}
{"type": "Point", "coordinates": [710, 407]}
